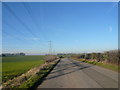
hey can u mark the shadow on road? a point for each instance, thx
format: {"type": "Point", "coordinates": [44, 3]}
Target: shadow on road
{"type": "Point", "coordinates": [60, 71]}
{"type": "Point", "coordinates": [68, 68]}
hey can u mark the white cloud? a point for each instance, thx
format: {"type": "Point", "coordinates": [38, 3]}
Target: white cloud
{"type": "Point", "coordinates": [110, 29]}
{"type": "Point", "coordinates": [35, 39]}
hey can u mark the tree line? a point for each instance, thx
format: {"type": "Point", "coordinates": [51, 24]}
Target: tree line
{"type": "Point", "coordinates": [12, 54]}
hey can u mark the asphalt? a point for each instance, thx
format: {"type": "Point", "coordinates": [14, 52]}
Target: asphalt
{"type": "Point", "coordinates": [69, 73]}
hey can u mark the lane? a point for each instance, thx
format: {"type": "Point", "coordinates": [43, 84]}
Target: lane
{"type": "Point", "coordinates": [75, 74]}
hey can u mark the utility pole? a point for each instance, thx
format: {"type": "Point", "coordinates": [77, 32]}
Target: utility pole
{"type": "Point", "coordinates": [50, 47]}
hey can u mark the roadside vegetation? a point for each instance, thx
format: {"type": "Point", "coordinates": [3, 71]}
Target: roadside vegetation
{"type": "Point", "coordinates": [109, 59]}
{"type": "Point", "coordinates": [26, 71]}
{"type": "Point", "coordinates": [37, 79]}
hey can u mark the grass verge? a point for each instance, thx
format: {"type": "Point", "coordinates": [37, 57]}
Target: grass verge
{"type": "Point", "coordinates": [105, 65]}
{"type": "Point", "coordinates": [37, 79]}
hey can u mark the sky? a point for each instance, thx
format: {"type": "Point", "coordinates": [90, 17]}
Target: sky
{"type": "Point", "coordinates": [72, 27]}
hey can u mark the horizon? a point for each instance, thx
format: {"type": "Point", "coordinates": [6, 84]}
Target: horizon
{"type": "Point", "coordinates": [71, 27]}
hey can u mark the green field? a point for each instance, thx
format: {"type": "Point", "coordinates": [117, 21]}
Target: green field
{"type": "Point", "coordinates": [15, 66]}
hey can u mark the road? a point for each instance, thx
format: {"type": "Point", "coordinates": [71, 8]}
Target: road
{"type": "Point", "coordinates": [69, 73]}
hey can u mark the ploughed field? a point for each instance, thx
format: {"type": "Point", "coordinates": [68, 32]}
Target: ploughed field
{"type": "Point", "coordinates": [15, 66]}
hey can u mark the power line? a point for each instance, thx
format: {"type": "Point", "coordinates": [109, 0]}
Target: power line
{"type": "Point", "coordinates": [14, 28]}
{"type": "Point", "coordinates": [6, 23]}
{"type": "Point", "coordinates": [29, 10]}
{"type": "Point", "coordinates": [12, 36]}
{"type": "Point", "coordinates": [18, 39]}
{"type": "Point", "coordinates": [23, 23]}
{"type": "Point", "coordinates": [28, 29]}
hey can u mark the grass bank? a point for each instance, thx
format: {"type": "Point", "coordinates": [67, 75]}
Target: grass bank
{"type": "Point", "coordinates": [15, 66]}
{"type": "Point", "coordinates": [105, 65]}
{"type": "Point", "coordinates": [37, 79]}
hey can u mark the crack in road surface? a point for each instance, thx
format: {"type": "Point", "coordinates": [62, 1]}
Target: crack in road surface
{"type": "Point", "coordinates": [75, 74]}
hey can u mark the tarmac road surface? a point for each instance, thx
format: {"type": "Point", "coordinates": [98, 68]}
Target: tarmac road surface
{"type": "Point", "coordinates": [69, 73]}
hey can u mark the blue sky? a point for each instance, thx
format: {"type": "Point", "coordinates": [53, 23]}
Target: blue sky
{"type": "Point", "coordinates": [72, 27]}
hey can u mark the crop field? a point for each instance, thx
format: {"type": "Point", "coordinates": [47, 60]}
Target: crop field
{"type": "Point", "coordinates": [15, 66]}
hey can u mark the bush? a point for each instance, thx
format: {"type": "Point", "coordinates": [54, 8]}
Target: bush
{"type": "Point", "coordinates": [88, 56]}
{"type": "Point", "coordinates": [50, 58]}
{"type": "Point", "coordinates": [112, 57]}
{"type": "Point", "coordinates": [93, 56]}
{"type": "Point", "coordinates": [61, 57]}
